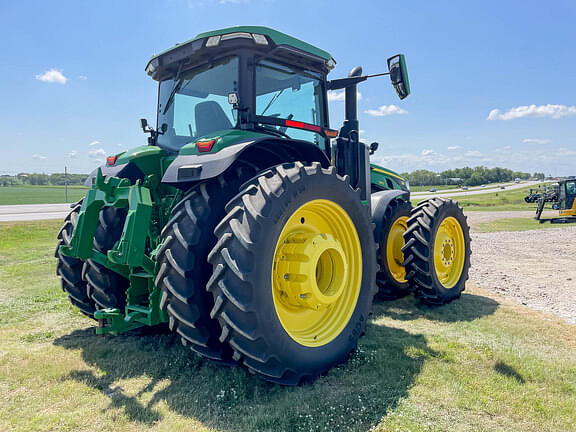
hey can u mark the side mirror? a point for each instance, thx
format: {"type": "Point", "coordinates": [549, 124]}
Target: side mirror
{"type": "Point", "coordinates": [163, 128]}
{"type": "Point", "coordinates": [373, 147]}
{"type": "Point", "coordinates": [143, 124]}
{"type": "Point", "coordinates": [399, 75]}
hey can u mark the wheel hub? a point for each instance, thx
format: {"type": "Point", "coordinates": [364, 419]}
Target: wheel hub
{"type": "Point", "coordinates": [448, 252]}
{"type": "Point", "coordinates": [313, 269]}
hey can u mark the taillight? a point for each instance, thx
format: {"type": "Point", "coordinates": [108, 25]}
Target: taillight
{"type": "Point", "coordinates": [205, 146]}
{"type": "Point", "coordinates": [111, 160]}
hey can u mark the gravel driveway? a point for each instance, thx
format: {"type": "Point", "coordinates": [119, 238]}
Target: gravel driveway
{"type": "Point", "coordinates": [537, 268]}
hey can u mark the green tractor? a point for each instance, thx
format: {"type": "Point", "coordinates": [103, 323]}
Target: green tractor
{"type": "Point", "coordinates": [257, 232]}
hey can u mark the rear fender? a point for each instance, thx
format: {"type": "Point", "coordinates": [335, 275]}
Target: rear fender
{"type": "Point", "coordinates": [263, 152]}
{"type": "Point", "coordinates": [379, 202]}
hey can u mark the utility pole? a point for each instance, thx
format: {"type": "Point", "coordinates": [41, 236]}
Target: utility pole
{"type": "Point", "coordinates": [66, 183]}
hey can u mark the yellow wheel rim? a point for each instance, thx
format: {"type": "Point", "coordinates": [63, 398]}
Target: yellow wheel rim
{"type": "Point", "coordinates": [317, 273]}
{"type": "Point", "coordinates": [449, 252]}
{"type": "Point", "coordinates": [394, 245]}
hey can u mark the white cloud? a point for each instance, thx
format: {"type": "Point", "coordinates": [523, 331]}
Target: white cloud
{"type": "Point", "coordinates": [82, 77]}
{"type": "Point", "coordinates": [72, 154]}
{"type": "Point", "coordinates": [536, 141]}
{"type": "Point", "coordinates": [93, 143]}
{"type": "Point", "coordinates": [474, 154]}
{"type": "Point", "coordinates": [427, 152]}
{"type": "Point", "coordinates": [97, 154]}
{"type": "Point", "coordinates": [232, 1]}
{"type": "Point", "coordinates": [455, 147]}
{"type": "Point", "coordinates": [551, 111]}
{"type": "Point", "coordinates": [38, 156]}
{"type": "Point", "coordinates": [52, 76]}
{"type": "Point", "coordinates": [386, 110]}
{"type": "Point", "coordinates": [340, 96]}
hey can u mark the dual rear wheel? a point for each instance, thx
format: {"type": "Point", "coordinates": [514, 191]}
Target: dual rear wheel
{"type": "Point", "coordinates": [425, 250]}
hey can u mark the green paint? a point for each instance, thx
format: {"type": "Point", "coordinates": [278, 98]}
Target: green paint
{"type": "Point", "coordinates": [222, 139]}
{"type": "Point", "coordinates": [128, 257]}
{"type": "Point", "coordinates": [146, 158]}
{"type": "Point", "coordinates": [387, 179]}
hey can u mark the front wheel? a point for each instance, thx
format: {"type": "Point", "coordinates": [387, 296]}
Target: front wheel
{"type": "Point", "coordinates": [294, 272]}
{"type": "Point", "coordinates": [437, 251]}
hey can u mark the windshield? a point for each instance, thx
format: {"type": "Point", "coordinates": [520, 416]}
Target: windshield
{"type": "Point", "coordinates": [287, 93]}
{"type": "Point", "coordinates": [196, 104]}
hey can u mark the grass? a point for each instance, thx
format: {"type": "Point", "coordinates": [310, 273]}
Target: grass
{"type": "Point", "coordinates": [480, 363]}
{"type": "Point", "coordinates": [40, 194]}
{"type": "Point", "coordinates": [503, 200]}
{"type": "Point", "coordinates": [516, 224]}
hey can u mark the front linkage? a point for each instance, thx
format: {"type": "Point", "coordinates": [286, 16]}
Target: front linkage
{"type": "Point", "coordinates": [132, 256]}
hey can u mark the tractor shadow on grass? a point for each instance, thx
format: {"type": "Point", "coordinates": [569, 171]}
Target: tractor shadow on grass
{"type": "Point", "coordinates": [141, 373]}
{"type": "Point", "coordinates": [467, 308]}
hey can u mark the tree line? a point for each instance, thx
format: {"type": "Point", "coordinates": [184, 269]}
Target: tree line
{"type": "Point", "coordinates": [462, 176]}
{"type": "Point", "coordinates": [468, 176]}
{"type": "Point", "coordinates": [33, 179]}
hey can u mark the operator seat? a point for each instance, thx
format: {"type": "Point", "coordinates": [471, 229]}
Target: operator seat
{"type": "Point", "coordinates": [210, 117]}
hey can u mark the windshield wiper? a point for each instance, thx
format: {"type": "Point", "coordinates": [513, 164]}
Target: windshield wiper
{"type": "Point", "coordinates": [173, 95]}
{"type": "Point", "coordinates": [274, 98]}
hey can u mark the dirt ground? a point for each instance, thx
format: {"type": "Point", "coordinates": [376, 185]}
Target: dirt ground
{"type": "Point", "coordinates": [536, 268]}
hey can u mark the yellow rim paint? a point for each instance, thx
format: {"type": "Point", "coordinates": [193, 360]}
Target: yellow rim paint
{"type": "Point", "coordinates": [317, 273]}
{"type": "Point", "coordinates": [394, 245]}
{"type": "Point", "coordinates": [449, 252]}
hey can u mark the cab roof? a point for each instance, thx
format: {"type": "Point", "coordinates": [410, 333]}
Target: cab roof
{"type": "Point", "coordinates": [273, 38]}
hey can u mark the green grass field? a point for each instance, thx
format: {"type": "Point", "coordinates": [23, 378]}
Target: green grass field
{"type": "Point", "coordinates": [478, 364]}
{"type": "Point", "coordinates": [503, 200]}
{"type": "Point", "coordinates": [517, 224]}
{"type": "Point", "coordinates": [40, 194]}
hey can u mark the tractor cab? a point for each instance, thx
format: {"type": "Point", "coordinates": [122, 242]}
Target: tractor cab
{"type": "Point", "coordinates": [244, 78]}
{"type": "Point", "coordinates": [567, 197]}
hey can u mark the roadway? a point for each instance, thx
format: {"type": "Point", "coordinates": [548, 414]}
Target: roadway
{"type": "Point", "coordinates": [476, 190]}
{"type": "Point", "coordinates": [15, 213]}
{"type": "Point", "coordinates": [27, 212]}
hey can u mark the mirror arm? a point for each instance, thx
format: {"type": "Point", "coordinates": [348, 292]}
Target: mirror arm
{"type": "Point", "coordinates": [341, 83]}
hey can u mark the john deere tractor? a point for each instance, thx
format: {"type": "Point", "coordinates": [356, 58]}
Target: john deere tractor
{"type": "Point", "coordinates": [257, 232]}
{"type": "Point", "coordinates": [563, 198]}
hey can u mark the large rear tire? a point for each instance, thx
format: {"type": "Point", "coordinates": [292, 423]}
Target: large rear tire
{"type": "Point", "coordinates": [391, 279]}
{"type": "Point", "coordinates": [70, 269]}
{"type": "Point", "coordinates": [294, 272]}
{"type": "Point", "coordinates": [183, 267]}
{"type": "Point", "coordinates": [106, 287]}
{"type": "Point", "coordinates": [437, 251]}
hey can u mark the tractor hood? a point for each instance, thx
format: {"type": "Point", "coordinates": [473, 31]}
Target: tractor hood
{"type": "Point", "coordinates": [205, 46]}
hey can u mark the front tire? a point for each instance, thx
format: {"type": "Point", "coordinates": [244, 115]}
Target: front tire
{"type": "Point", "coordinates": [437, 251]}
{"type": "Point", "coordinates": [294, 272]}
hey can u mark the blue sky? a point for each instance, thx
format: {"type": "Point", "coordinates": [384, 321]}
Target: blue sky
{"type": "Point", "coordinates": [74, 85]}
